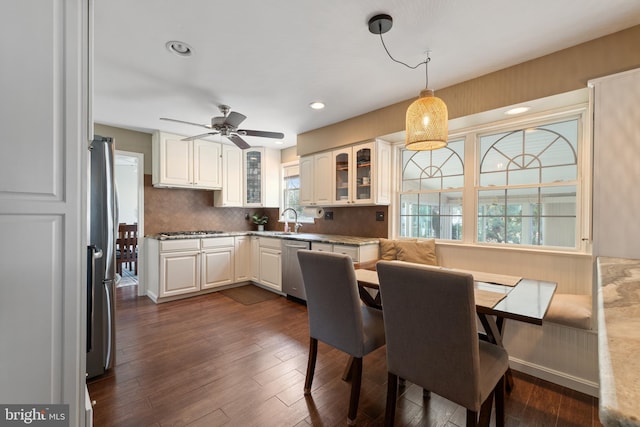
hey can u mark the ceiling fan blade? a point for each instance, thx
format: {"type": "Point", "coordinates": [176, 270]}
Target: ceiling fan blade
{"type": "Point", "coordinates": [202, 135]}
{"type": "Point", "coordinates": [234, 119]}
{"type": "Point", "coordinates": [239, 141]}
{"type": "Point", "coordinates": [186, 123]}
{"type": "Point", "coordinates": [263, 134]}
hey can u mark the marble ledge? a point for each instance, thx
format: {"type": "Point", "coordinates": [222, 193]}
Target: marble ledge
{"type": "Point", "coordinates": [619, 340]}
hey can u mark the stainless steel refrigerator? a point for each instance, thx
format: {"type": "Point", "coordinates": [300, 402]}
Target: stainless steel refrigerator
{"type": "Point", "coordinates": [101, 253]}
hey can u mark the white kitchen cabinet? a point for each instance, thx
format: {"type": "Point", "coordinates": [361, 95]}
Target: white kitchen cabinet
{"type": "Point", "coordinates": [179, 273]}
{"type": "Point", "coordinates": [243, 260]}
{"type": "Point", "coordinates": [255, 259]}
{"type": "Point", "coordinates": [185, 164]}
{"type": "Point", "coordinates": [231, 194]}
{"type": "Point", "coordinates": [315, 181]}
{"type": "Point", "coordinates": [261, 177]}
{"type": "Point", "coordinates": [358, 253]}
{"type": "Point", "coordinates": [271, 263]}
{"type": "Point", "coordinates": [218, 262]}
{"type": "Point", "coordinates": [362, 174]}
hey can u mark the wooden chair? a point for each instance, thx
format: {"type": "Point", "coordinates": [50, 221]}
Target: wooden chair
{"type": "Point", "coordinates": [336, 316]}
{"type": "Point", "coordinates": [432, 340]}
{"type": "Point", "coordinates": [127, 247]}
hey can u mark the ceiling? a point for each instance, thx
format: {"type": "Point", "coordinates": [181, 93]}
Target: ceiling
{"type": "Point", "coordinates": [270, 59]}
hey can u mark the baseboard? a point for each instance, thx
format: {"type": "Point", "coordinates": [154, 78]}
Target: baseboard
{"type": "Point", "coordinates": [575, 383]}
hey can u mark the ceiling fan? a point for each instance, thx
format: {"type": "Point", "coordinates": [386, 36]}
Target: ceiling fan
{"type": "Point", "coordinates": [227, 125]}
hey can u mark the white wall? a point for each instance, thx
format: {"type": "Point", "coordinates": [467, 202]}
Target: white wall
{"type": "Point", "coordinates": [127, 184]}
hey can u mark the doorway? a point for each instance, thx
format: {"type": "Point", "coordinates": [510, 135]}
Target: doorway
{"type": "Point", "coordinates": [129, 174]}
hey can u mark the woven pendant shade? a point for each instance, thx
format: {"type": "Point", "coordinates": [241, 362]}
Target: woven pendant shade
{"type": "Point", "coordinates": [427, 123]}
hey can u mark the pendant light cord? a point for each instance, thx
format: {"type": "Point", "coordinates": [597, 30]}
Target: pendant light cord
{"type": "Point", "coordinates": [425, 62]}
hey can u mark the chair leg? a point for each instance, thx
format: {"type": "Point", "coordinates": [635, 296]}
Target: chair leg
{"type": "Point", "coordinates": [311, 365]}
{"type": "Point", "coordinates": [499, 393]}
{"type": "Point", "coordinates": [485, 411]}
{"type": "Point", "coordinates": [392, 395]}
{"type": "Point", "coordinates": [356, 379]}
{"type": "Point", "coordinates": [472, 418]}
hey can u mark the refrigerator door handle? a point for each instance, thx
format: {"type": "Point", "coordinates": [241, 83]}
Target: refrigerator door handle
{"type": "Point", "coordinates": [109, 338]}
{"type": "Point", "coordinates": [91, 272]}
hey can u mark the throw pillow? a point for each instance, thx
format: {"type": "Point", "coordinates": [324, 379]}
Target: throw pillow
{"type": "Point", "coordinates": [387, 249]}
{"type": "Point", "coordinates": [421, 252]}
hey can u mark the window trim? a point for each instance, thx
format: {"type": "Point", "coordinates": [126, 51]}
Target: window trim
{"type": "Point", "coordinates": [301, 219]}
{"type": "Point", "coordinates": [470, 134]}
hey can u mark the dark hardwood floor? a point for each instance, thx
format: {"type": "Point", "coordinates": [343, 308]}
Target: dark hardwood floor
{"type": "Point", "coordinates": [210, 361]}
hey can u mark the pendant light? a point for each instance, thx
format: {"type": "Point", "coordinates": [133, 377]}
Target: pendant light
{"type": "Point", "coordinates": [427, 117]}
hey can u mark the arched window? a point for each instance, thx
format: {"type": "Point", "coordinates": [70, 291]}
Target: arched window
{"type": "Point", "coordinates": [527, 185]}
{"type": "Point", "coordinates": [431, 192]}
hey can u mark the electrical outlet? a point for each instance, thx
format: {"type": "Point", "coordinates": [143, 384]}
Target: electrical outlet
{"type": "Point", "coordinates": [328, 215]}
{"type": "Point", "coordinates": [379, 216]}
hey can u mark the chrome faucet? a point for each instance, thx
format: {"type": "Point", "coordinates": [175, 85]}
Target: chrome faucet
{"type": "Point", "coordinates": [297, 225]}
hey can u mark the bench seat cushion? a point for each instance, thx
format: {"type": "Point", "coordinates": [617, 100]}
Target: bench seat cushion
{"type": "Point", "coordinates": [570, 310]}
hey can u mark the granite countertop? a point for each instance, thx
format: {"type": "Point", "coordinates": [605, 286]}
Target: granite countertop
{"type": "Point", "coordinates": [619, 340]}
{"type": "Point", "coordinates": [308, 237]}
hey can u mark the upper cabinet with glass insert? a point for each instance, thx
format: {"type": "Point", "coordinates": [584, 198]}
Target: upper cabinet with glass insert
{"type": "Point", "coordinates": [362, 174]}
{"type": "Point", "coordinates": [262, 177]}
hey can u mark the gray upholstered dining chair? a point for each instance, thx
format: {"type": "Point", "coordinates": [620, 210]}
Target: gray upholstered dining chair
{"type": "Point", "coordinates": [337, 317]}
{"type": "Point", "coordinates": [432, 340]}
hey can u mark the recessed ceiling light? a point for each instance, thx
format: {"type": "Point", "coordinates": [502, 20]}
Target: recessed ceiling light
{"type": "Point", "coordinates": [179, 48]}
{"type": "Point", "coordinates": [278, 142]}
{"type": "Point", "coordinates": [317, 105]}
{"type": "Point", "coordinates": [517, 110]}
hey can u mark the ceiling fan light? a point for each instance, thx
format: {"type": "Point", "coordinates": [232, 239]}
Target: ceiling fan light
{"type": "Point", "coordinates": [427, 123]}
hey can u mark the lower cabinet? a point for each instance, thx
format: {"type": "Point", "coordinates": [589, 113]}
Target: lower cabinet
{"type": "Point", "coordinates": [177, 268]}
{"type": "Point", "coordinates": [179, 273]}
{"type": "Point", "coordinates": [242, 258]}
{"type": "Point", "coordinates": [270, 260]}
{"type": "Point", "coordinates": [358, 253]}
{"type": "Point", "coordinates": [184, 267]}
{"type": "Point", "coordinates": [218, 262]}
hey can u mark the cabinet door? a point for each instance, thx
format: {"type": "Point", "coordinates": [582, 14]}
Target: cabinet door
{"type": "Point", "coordinates": [206, 164]}
{"type": "Point", "coordinates": [307, 181]}
{"type": "Point", "coordinates": [176, 162]}
{"type": "Point", "coordinates": [242, 258]}
{"type": "Point", "coordinates": [341, 179]}
{"type": "Point", "coordinates": [253, 168]}
{"type": "Point", "coordinates": [179, 273]}
{"type": "Point", "coordinates": [361, 174]}
{"type": "Point", "coordinates": [231, 193]}
{"type": "Point", "coordinates": [271, 268]}
{"type": "Point", "coordinates": [322, 182]}
{"type": "Point", "coordinates": [217, 267]}
{"type": "Point", "coordinates": [255, 259]}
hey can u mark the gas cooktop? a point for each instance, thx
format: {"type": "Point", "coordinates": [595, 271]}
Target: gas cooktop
{"type": "Point", "coordinates": [184, 234]}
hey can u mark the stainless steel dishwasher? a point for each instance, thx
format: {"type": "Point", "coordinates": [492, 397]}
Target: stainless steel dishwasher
{"type": "Point", "coordinates": [291, 274]}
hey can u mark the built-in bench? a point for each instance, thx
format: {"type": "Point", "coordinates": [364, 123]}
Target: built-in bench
{"type": "Point", "coordinates": [566, 309]}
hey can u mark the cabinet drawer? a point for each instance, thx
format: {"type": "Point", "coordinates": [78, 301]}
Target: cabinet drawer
{"type": "Point", "coordinates": [179, 245]}
{"type": "Point", "coordinates": [323, 247]}
{"type": "Point", "coordinates": [270, 242]}
{"type": "Point", "coordinates": [216, 242]}
{"type": "Point", "coordinates": [352, 251]}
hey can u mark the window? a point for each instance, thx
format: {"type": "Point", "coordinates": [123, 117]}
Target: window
{"type": "Point", "coordinates": [291, 194]}
{"type": "Point", "coordinates": [431, 193]}
{"type": "Point", "coordinates": [528, 186]}
{"type": "Point", "coordinates": [522, 186]}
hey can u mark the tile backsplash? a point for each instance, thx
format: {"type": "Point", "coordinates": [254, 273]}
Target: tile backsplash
{"type": "Point", "coordinates": [170, 209]}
